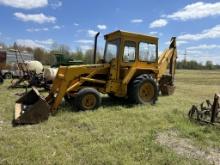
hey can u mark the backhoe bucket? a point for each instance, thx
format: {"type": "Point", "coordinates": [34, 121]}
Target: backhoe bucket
{"type": "Point", "coordinates": [31, 109]}
{"type": "Point", "coordinates": [166, 85]}
{"type": "Point", "coordinates": [167, 90]}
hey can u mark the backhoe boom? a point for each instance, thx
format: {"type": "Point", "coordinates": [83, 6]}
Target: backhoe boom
{"type": "Point", "coordinates": [167, 61]}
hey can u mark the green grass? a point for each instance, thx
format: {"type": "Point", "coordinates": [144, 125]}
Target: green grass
{"type": "Point", "coordinates": [113, 134]}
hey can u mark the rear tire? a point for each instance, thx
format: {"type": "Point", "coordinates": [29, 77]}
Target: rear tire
{"type": "Point", "coordinates": [87, 99]}
{"type": "Point", "coordinates": [143, 89]}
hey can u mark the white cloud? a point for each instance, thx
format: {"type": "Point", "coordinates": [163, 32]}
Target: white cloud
{"type": "Point", "coordinates": [205, 34]}
{"type": "Point", "coordinates": [37, 18]}
{"type": "Point", "coordinates": [181, 42]}
{"type": "Point", "coordinates": [102, 27]}
{"type": "Point", "coordinates": [45, 42]}
{"type": "Point", "coordinates": [92, 33]}
{"type": "Point", "coordinates": [158, 23]}
{"type": "Point", "coordinates": [76, 24]}
{"type": "Point", "coordinates": [37, 29]}
{"type": "Point", "coordinates": [204, 46]}
{"type": "Point", "coordinates": [153, 33]}
{"type": "Point", "coordinates": [85, 41]}
{"type": "Point", "coordinates": [137, 21]}
{"type": "Point", "coordinates": [24, 4]}
{"type": "Point", "coordinates": [196, 11]}
{"type": "Point", "coordinates": [57, 27]}
{"type": "Point", "coordinates": [56, 5]}
{"type": "Point", "coordinates": [35, 43]}
{"type": "Point", "coordinates": [193, 52]}
{"type": "Point", "coordinates": [156, 33]}
{"type": "Point", "coordinates": [178, 42]}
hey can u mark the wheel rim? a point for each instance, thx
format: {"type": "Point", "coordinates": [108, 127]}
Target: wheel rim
{"type": "Point", "coordinates": [146, 92]}
{"type": "Point", "coordinates": [89, 101]}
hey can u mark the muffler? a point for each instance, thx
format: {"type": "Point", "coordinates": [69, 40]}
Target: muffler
{"type": "Point", "coordinates": [31, 109]}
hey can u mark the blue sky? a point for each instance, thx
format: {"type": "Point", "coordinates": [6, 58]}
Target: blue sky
{"type": "Point", "coordinates": [74, 23]}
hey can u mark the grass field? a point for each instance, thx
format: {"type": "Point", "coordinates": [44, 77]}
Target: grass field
{"type": "Point", "coordinates": [115, 133]}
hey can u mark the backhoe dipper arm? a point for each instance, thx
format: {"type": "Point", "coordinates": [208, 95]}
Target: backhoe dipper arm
{"type": "Point", "coordinates": [167, 61]}
{"type": "Point", "coordinates": [168, 58]}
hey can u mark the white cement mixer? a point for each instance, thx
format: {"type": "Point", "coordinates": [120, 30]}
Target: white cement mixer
{"type": "Point", "coordinates": [50, 73]}
{"type": "Point", "coordinates": [34, 66]}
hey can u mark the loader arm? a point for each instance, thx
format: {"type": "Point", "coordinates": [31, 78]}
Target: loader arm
{"type": "Point", "coordinates": [70, 79]}
{"type": "Point", "coordinates": [167, 60]}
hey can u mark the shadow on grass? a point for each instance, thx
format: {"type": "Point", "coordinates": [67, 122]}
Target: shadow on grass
{"type": "Point", "coordinates": [106, 102]}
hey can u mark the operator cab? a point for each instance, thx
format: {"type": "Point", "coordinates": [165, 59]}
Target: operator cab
{"type": "Point", "coordinates": [129, 47]}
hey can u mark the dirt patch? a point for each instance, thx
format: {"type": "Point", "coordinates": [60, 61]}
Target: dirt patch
{"type": "Point", "coordinates": [185, 147]}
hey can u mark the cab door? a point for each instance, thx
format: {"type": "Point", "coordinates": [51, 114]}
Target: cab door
{"type": "Point", "coordinates": [128, 57]}
{"type": "Point", "coordinates": [112, 54]}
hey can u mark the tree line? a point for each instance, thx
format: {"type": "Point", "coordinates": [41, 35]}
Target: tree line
{"type": "Point", "coordinates": [196, 65]}
{"type": "Point", "coordinates": [47, 57]}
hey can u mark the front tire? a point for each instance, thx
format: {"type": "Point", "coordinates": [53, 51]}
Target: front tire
{"type": "Point", "coordinates": [87, 99]}
{"type": "Point", "coordinates": [143, 89]}
{"type": "Point", "coordinates": [1, 80]}
{"type": "Point", "coordinates": [8, 76]}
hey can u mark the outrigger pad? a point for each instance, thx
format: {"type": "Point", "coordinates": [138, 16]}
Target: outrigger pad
{"type": "Point", "coordinates": [31, 109]}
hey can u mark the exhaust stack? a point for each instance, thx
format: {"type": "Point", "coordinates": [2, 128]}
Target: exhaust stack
{"type": "Point", "coordinates": [95, 47]}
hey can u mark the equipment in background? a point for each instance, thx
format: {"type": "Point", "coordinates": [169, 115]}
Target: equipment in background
{"type": "Point", "coordinates": [131, 69]}
{"type": "Point", "coordinates": [30, 73]}
{"type": "Point", "coordinates": [34, 66]}
{"type": "Point", "coordinates": [50, 73]}
{"type": "Point", "coordinates": [207, 112]}
{"type": "Point", "coordinates": [9, 60]}
{"type": "Point", "coordinates": [64, 60]}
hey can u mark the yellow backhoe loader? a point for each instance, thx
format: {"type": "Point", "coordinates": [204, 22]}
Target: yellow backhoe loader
{"type": "Point", "coordinates": [130, 69]}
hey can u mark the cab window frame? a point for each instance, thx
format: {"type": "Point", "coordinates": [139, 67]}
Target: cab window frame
{"type": "Point", "coordinates": [135, 53]}
{"type": "Point", "coordinates": [118, 43]}
{"type": "Point", "coordinates": [156, 52]}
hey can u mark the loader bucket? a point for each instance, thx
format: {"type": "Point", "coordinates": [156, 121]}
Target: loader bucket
{"type": "Point", "coordinates": [31, 109]}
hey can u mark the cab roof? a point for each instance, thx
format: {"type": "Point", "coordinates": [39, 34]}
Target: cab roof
{"type": "Point", "coordinates": [131, 36]}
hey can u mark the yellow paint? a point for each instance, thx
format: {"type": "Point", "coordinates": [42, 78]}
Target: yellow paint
{"type": "Point", "coordinates": [113, 77]}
